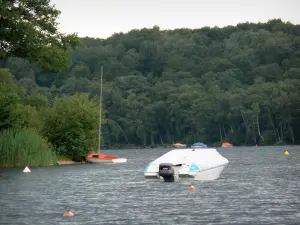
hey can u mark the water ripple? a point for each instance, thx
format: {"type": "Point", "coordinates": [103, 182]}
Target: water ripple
{"type": "Point", "coordinates": [259, 186]}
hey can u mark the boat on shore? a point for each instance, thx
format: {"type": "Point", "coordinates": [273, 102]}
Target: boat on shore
{"type": "Point", "coordinates": [199, 145]}
{"type": "Point", "coordinates": [226, 145]}
{"type": "Point", "coordinates": [191, 163]}
{"type": "Point", "coordinates": [179, 145]}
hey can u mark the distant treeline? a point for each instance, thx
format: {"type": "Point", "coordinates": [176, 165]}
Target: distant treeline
{"type": "Point", "coordinates": [238, 83]}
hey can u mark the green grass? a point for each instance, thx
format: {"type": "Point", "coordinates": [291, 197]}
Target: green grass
{"type": "Point", "coordinates": [19, 148]}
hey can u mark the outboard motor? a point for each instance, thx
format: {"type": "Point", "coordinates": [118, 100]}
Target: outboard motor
{"type": "Point", "coordinates": [166, 171]}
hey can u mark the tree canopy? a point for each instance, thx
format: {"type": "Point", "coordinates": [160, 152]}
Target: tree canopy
{"type": "Point", "coordinates": [71, 125]}
{"type": "Point", "coordinates": [28, 29]}
{"type": "Point", "coordinates": [238, 83]}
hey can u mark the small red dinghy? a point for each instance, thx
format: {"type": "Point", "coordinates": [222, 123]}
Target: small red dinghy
{"type": "Point", "coordinates": [101, 158]}
{"type": "Point", "coordinates": [227, 144]}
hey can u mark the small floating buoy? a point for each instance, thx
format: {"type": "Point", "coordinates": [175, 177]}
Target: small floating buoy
{"type": "Point", "coordinates": [191, 187]}
{"type": "Point", "coordinates": [26, 170]}
{"type": "Point", "coordinates": [286, 153]}
{"type": "Point", "coordinates": [68, 213]}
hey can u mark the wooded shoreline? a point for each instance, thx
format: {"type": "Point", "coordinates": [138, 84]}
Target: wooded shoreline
{"type": "Point", "coordinates": [237, 83]}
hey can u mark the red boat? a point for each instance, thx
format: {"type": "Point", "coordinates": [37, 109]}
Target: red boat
{"type": "Point", "coordinates": [101, 158]}
{"type": "Point", "coordinates": [227, 144]}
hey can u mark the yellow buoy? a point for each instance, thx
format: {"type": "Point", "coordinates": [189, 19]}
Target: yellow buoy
{"type": "Point", "coordinates": [286, 153]}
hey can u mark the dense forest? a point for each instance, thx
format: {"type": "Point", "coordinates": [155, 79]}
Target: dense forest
{"type": "Point", "coordinates": [237, 83]}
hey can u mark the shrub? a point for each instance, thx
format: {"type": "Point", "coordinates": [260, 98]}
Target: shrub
{"type": "Point", "coordinates": [72, 125]}
{"type": "Point", "coordinates": [20, 147]}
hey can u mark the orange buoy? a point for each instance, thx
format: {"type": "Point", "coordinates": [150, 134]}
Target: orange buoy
{"type": "Point", "coordinates": [191, 187]}
{"type": "Point", "coordinates": [68, 213]}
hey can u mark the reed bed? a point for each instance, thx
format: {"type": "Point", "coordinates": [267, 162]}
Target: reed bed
{"type": "Point", "coordinates": [20, 147]}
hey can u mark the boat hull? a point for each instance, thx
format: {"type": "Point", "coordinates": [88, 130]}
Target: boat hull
{"type": "Point", "coordinates": [101, 158]}
{"type": "Point", "coordinates": [193, 164]}
{"type": "Point", "coordinates": [99, 161]}
{"type": "Point", "coordinates": [119, 160]}
{"type": "Point", "coordinates": [209, 174]}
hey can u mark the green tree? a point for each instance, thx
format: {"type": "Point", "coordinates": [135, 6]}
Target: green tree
{"type": "Point", "coordinates": [72, 125]}
{"type": "Point", "coordinates": [29, 30]}
{"type": "Point", "coordinates": [25, 116]}
{"type": "Point", "coordinates": [8, 102]}
{"type": "Point", "coordinates": [37, 100]}
{"type": "Point", "coordinates": [237, 83]}
{"type": "Point", "coordinates": [9, 98]}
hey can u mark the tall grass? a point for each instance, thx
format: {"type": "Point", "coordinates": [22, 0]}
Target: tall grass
{"type": "Point", "coordinates": [19, 148]}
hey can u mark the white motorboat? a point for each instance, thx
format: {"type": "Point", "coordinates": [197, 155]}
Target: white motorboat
{"type": "Point", "coordinates": [193, 163]}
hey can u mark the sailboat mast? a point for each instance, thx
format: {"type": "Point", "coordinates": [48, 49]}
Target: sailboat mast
{"type": "Point", "coordinates": [100, 111]}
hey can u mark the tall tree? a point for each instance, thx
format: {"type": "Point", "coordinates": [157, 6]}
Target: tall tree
{"type": "Point", "coordinates": [28, 29]}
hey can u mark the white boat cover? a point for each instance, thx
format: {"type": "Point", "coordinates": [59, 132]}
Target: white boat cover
{"type": "Point", "coordinates": [203, 158]}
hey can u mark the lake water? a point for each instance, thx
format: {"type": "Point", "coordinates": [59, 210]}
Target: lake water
{"type": "Point", "coordinates": [259, 186]}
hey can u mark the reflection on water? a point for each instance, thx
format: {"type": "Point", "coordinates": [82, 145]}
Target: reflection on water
{"type": "Point", "coordinates": [259, 186]}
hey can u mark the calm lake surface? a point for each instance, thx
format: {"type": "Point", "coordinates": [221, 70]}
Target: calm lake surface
{"type": "Point", "coordinates": [259, 186]}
